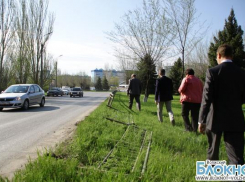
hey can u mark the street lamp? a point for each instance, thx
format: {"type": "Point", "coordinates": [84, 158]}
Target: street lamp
{"type": "Point", "coordinates": [57, 70]}
{"type": "Point", "coordinates": [42, 45]}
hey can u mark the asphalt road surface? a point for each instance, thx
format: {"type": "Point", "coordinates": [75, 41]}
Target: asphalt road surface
{"type": "Point", "coordinates": [22, 133]}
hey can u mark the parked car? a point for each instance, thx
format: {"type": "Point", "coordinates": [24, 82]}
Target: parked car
{"type": "Point", "coordinates": [22, 96]}
{"type": "Point", "coordinates": [76, 91]}
{"type": "Point", "coordinates": [55, 91]}
{"type": "Point", "coordinates": [66, 91]}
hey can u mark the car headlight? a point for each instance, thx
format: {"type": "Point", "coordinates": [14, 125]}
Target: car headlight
{"type": "Point", "coordinates": [17, 98]}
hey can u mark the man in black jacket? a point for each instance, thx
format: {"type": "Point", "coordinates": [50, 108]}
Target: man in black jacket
{"type": "Point", "coordinates": [134, 90]}
{"type": "Point", "coordinates": [164, 95]}
{"type": "Point", "coordinates": [221, 107]}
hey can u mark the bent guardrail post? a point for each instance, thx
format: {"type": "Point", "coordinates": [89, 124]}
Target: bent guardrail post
{"type": "Point", "coordinates": [142, 145]}
{"type": "Point", "coordinates": [111, 97]}
{"type": "Point", "coordinates": [120, 122]}
{"type": "Point", "coordinates": [146, 156]}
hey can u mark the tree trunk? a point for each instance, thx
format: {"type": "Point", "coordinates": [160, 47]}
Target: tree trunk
{"type": "Point", "coordinates": [147, 89]}
{"type": "Point", "coordinates": [183, 61]}
{"type": "Point", "coordinates": [1, 71]}
{"type": "Point", "coordinates": [145, 98]}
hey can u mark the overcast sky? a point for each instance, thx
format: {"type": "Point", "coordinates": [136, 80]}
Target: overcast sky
{"type": "Point", "coordinates": [80, 26]}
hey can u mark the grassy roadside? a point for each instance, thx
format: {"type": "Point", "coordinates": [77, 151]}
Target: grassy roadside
{"type": "Point", "coordinates": [172, 156]}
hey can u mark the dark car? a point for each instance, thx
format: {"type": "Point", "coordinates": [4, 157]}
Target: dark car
{"type": "Point", "coordinates": [55, 92]}
{"type": "Point", "coordinates": [77, 91]}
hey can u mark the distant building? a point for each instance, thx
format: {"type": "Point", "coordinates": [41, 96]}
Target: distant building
{"type": "Point", "coordinates": [95, 74]}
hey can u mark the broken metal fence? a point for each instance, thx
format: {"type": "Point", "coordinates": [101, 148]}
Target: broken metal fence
{"type": "Point", "coordinates": [131, 151]}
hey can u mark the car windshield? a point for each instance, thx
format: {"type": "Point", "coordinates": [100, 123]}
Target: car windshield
{"type": "Point", "coordinates": [17, 89]}
{"type": "Point", "coordinates": [76, 89]}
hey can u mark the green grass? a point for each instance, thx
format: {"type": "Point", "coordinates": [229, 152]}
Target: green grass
{"type": "Point", "coordinates": [173, 152]}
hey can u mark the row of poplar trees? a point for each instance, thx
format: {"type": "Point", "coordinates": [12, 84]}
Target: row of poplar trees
{"type": "Point", "coordinates": [25, 28]}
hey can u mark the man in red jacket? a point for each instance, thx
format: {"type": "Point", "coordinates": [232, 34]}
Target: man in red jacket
{"type": "Point", "coordinates": [191, 96]}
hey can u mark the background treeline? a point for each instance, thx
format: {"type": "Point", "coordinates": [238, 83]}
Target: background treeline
{"type": "Point", "coordinates": [103, 84]}
{"type": "Point", "coordinates": [84, 81]}
{"type": "Point", "coordinates": [25, 28]}
{"type": "Point", "coordinates": [144, 40]}
{"type": "Point", "coordinates": [203, 57]}
{"type": "Point", "coordinates": [164, 30]}
{"type": "Point", "coordinates": [77, 80]}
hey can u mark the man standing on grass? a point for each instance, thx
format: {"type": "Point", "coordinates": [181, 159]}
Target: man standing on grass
{"type": "Point", "coordinates": [190, 97]}
{"type": "Point", "coordinates": [134, 90]}
{"type": "Point", "coordinates": [221, 107]}
{"type": "Point", "coordinates": [164, 95]}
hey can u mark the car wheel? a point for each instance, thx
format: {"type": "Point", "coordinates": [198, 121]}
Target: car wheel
{"type": "Point", "coordinates": [82, 95]}
{"type": "Point", "coordinates": [25, 105]}
{"type": "Point", "coordinates": [42, 102]}
{"type": "Point", "coordinates": [1, 108]}
{"type": "Point", "coordinates": [70, 96]}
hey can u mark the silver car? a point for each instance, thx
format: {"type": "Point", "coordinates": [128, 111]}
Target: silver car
{"type": "Point", "coordinates": [66, 91]}
{"type": "Point", "coordinates": [22, 96]}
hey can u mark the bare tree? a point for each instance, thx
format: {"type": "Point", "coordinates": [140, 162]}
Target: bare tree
{"type": "Point", "coordinates": [114, 81]}
{"type": "Point", "coordinates": [25, 28]}
{"type": "Point", "coordinates": [8, 72]}
{"type": "Point", "coordinates": [107, 70]}
{"type": "Point", "coordinates": [40, 27]}
{"type": "Point", "coordinates": [127, 64]}
{"type": "Point", "coordinates": [184, 18]}
{"type": "Point", "coordinates": [49, 69]}
{"type": "Point", "coordinates": [143, 32]}
{"type": "Point", "coordinates": [21, 58]}
{"type": "Point", "coordinates": [33, 26]}
{"type": "Point", "coordinates": [198, 60]}
{"type": "Point", "coordinates": [6, 32]}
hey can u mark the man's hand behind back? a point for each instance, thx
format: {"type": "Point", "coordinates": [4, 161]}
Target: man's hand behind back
{"type": "Point", "coordinates": [202, 128]}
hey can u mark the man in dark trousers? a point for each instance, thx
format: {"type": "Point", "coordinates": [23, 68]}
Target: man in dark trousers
{"type": "Point", "coordinates": [134, 90]}
{"type": "Point", "coordinates": [221, 107]}
{"type": "Point", "coordinates": [164, 95]}
{"type": "Point", "coordinates": [190, 97]}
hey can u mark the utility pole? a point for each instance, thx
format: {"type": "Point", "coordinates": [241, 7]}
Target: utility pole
{"type": "Point", "coordinates": [41, 84]}
{"type": "Point", "coordinates": [56, 73]}
{"type": "Point", "coordinates": [56, 65]}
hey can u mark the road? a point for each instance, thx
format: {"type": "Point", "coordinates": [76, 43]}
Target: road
{"type": "Point", "coordinates": [22, 133]}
